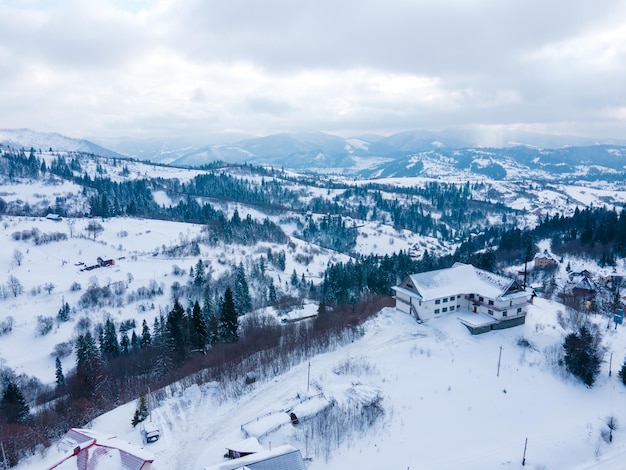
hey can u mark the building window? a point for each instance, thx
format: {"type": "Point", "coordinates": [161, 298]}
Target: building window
{"type": "Point", "coordinates": [458, 306]}
{"type": "Point", "coordinates": [504, 313]}
{"type": "Point", "coordinates": [471, 296]}
{"type": "Point", "coordinates": [451, 308]}
{"type": "Point", "coordinates": [444, 310]}
{"type": "Point", "coordinates": [490, 312]}
{"type": "Point", "coordinates": [511, 303]}
{"type": "Point", "coordinates": [445, 299]}
{"type": "Point", "coordinates": [436, 310]}
{"type": "Point", "coordinates": [437, 302]}
{"type": "Point", "coordinates": [452, 298]}
{"type": "Point", "coordinates": [519, 310]}
{"type": "Point", "coordinates": [481, 299]}
{"type": "Point", "coordinates": [491, 302]}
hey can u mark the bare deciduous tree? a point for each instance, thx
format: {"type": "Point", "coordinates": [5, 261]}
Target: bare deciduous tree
{"type": "Point", "coordinates": [70, 225]}
{"type": "Point", "coordinates": [18, 257]}
{"type": "Point", "coordinates": [94, 228]}
{"type": "Point", "coordinates": [15, 286]}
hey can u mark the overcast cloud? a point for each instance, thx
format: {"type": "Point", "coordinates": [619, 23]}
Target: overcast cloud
{"type": "Point", "coordinates": [196, 68]}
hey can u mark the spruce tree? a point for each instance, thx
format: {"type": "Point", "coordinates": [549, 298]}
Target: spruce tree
{"type": "Point", "coordinates": [58, 373]}
{"type": "Point", "coordinates": [87, 364]}
{"type": "Point", "coordinates": [146, 338]}
{"type": "Point", "coordinates": [229, 319]}
{"type": "Point", "coordinates": [135, 342]}
{"type": "Point", "coordinates": [213, 329]}
{"type": "Point", "coordinates": [13, 405]}
{"type": "Point", "coordinates": [241, 292]}
{"type": "Point", "coordinates": [110, 347]}
{"type": "Point", "coordinates": [124, 344]}
{"type": "Point", "coordinates": [141, 412]}
{"type": "Point", "coordinates": [198, 279]}
{"type": "Point", "coordinates": [177, 332]}
{"type": "Point", "coordinates": [199, 335]}
{"type": "Point", "coordinates": [583, 355]}
{"type": "Point", "coordinates": [272, 292]}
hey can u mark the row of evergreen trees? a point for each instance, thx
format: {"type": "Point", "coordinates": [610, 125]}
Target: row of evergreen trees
{"type": "Point", "coordinates": [172, 340]}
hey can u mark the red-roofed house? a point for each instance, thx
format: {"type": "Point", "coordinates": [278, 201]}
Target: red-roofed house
{"type": "Point", "coordinates": [90, 450]}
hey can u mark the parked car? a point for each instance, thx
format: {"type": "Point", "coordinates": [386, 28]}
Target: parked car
{"type": "Point", "coordinates": [150, 432]}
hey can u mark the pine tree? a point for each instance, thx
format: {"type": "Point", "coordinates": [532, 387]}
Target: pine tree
{"type": "Point", "coordinates": [64, 312]}
{"type": "Point", "coordinates": [13, 405]}
{"type": "Point", "coordinates": [213, 329]}
{"type": "Point", "coordinates": [87, 364]}
{"type": "Point", "coordinates": [58, 373]}
{"type": "Point", "coordinates": [583, 355]}
{"type": "Point", "coordinates": [135, 342]}
{"type": "Point", "coordinates": [109, 346]}
{"type": "Point", "coordinates": [177, 332]}
{"type": "Point", "coordinates": [241, 292]}
{"type": "Point", "coordinates": [198, 279]}
{"type": "Point", "coordinates": [146, 338]}
{"type": "Point", "coordinates": [124, 344]}
{"type": "Point", "coordinates": [229, 319]}
{"type": "Point", "coordinates": [272, 293]}
{"type": "Point", "coordinates": [141, 412]}
{"type": "Point", "coordinates": [199, 335]}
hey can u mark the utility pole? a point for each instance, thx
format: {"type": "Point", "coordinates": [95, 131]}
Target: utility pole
{"type": "Point", "coordinates": [499, 357]}
{"type": "Point", "coordinates": [610, 362]}
{"type": "Point", "coordinates": [308, 378]}
{"type": "Point", "coordinates": [524, 457]}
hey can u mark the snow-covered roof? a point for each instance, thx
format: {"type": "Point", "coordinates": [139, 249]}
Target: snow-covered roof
{"type": "Point", "coordinates": [101, 451]}
{"type": "Point", "coordinates": [544, 255]}
{"type": "Point", "coordinates": [460, 278]}
{"type": "Point", "coordinates": [247, 446]}
{"type": "Point", "coordinates": [280, 458]}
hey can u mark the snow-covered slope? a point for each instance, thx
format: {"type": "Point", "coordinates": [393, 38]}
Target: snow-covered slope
{"type": "Point", "coordinates": [27, 138]}
{"type": "Point", "coordinates": [446, 403]}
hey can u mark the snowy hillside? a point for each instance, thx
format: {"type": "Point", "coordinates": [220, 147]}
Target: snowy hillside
{"type": "Point", "coordinates": [444, 404]}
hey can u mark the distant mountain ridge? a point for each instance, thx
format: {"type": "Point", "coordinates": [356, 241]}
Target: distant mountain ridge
{"type": "Point", "coordinates": [27, 138]}
{"type": "Point", "coordinates": [412, 153]}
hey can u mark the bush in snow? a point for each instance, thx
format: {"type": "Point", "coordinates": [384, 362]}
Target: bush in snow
{"type": "Point", "coordinates": [83, 325]}
{"type": "Point", "coordinates": [44, 325]}
{"type": "Point", "coordinates": [62, 350]}
{"type": "Point", "coordinates": [75, 287]}
{"type": "Point", "coordinates": [7, 325]}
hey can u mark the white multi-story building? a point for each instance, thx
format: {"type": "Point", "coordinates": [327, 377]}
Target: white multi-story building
{"type": "Point", "coordinates": [497, 301]}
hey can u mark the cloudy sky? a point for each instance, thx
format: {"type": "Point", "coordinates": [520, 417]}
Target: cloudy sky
{"type": "Point", "coordinates": [198, 68]}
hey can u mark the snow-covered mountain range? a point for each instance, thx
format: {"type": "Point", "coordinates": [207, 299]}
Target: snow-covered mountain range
{"type": "Point", "coordinates": [411, 153]}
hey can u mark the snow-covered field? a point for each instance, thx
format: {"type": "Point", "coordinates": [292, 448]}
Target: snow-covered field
{"type": "Point", "coordinates": [446, 404]}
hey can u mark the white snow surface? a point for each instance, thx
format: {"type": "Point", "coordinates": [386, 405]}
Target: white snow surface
{"type": "Point", "coordinates": [446, 404]}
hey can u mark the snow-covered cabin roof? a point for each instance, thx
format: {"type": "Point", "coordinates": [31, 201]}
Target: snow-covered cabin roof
{"type": "Point", "coordinates": [460, 278]}
{"type": "Point", "coordinates": [280, 458]}
{"type": "Point", "coordinates": [545, 255]}
{"type": "Point", "coordinates": [100, 451]}
{"type": "Point", "coordinates": [247, 446]}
